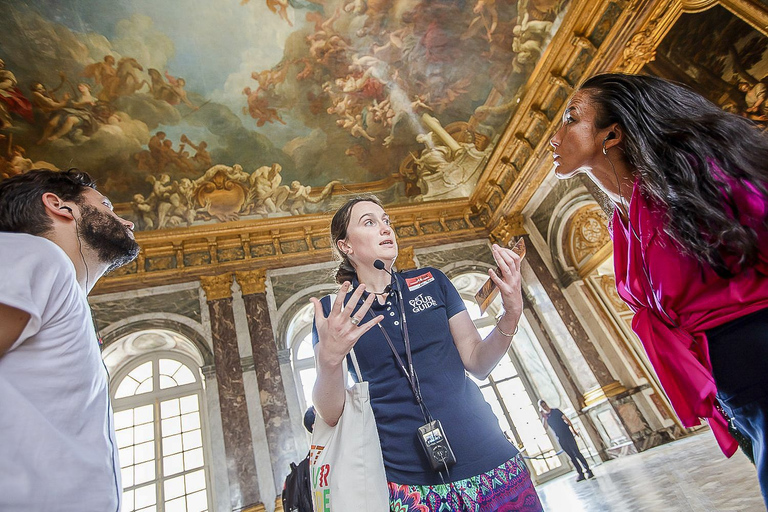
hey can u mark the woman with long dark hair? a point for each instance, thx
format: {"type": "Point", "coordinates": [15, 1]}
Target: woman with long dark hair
{"type": "Point", "coordinates": [690, 234]}
{"type": "Point", "coordinates": [395, 318]}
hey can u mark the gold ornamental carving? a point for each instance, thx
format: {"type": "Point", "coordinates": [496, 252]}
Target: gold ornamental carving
{"type": "Point", "coordinates": [405, 259]}
{"type": "Point", "coordinates": [640, 49]}
{"type": "Point", "coordinates": [507, 228]}
{"type": "Point", "coordinates": [608, 285]}
{"type": "Point", "coordinates": [588, 234]}
{"type": "Point", "coordinates": [217, 287]}
{"type": "Point", "coordinates": [252, 281]}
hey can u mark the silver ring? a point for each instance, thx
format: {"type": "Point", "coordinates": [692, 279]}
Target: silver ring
{"type": "Point", "coordinates": [355, 321]}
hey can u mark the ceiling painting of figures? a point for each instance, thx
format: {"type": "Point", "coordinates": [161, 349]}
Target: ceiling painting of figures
{"type": "Point", "coordinates": [721, 57]}
{"type": "Point", "coordinates": [210, 111]}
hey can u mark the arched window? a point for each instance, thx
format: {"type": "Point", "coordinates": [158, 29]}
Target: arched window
{"type": "Point", "coordinates": [299, 337]}
{"type": "Point", "coordinates": [159, 424]}
{"type": "Point", "coordinates": [508, 389]}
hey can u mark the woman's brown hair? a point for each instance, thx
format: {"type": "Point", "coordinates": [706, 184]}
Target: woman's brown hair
{"type": "Point", "coordinates": [339, 224]}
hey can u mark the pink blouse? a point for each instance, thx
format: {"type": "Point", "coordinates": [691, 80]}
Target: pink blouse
{"type": "Point", "coordinates": [675, 299]}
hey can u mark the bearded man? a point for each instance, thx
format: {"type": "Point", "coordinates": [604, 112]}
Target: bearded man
{"type": "Point", "coordinates": [58, 236]}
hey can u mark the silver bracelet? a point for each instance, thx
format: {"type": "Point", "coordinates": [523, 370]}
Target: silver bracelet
{"type": "Point", "coordinates": [504, 333]}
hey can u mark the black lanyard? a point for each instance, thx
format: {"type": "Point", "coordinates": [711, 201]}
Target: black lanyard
{"type": "Point", "coordinates": [410, 373]}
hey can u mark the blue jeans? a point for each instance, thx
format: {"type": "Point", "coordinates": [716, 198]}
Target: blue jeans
{"type": "Point", "coordinates": [739, 354]}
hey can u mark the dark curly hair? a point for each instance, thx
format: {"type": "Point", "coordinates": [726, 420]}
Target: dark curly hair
{"type": "Point", "coordinates": [21, 205]}
{"type": "Point", "coordinates": [346, 271]}
{"type": "Point", "coordinates": [685, 149]}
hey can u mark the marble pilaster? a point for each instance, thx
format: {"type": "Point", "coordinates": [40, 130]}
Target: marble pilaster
{"type": "Point", "coordinates": [274, 403]}
{"type": "Point", "coordinates": [241, 468]}
{"type": "Point", "coordinates": [571, 321]}
{"type": "Point", "coordinates": [609, 398]}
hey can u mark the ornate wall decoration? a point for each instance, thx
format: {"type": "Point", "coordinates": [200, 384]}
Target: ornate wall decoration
{"type": "Point", "coordinates": [608, 286]}
{"type": "Point", "coordinates": [507, 229]}
{"type": "Point", "coordinates": [405, 259]}
{"type": "Point", "coordinates": [640, 49]}
{"type": "Point", "coordinates": [217, 287]}
{"type": "Point", "coordinates": [252, 281]}
{"type": "Point", "coordinates": [587, 233]}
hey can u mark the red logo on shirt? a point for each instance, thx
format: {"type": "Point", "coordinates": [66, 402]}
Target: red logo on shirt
{"type": "Point", "coordinates": [414, 283]}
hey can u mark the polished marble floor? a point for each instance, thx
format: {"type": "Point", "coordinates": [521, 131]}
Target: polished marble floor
{"type": "Point", "coordinates": [690, 475]}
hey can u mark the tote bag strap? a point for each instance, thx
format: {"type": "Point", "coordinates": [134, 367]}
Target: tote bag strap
{"type": "Point", "coordinates": [356, 365]}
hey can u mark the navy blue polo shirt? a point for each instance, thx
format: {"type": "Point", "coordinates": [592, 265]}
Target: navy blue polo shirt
{"type": "Point", "coordinates": [451, 396]}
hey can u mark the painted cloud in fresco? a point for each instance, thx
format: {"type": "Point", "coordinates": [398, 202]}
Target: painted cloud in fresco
{"type": "Point", "coordinates": [283, 97]}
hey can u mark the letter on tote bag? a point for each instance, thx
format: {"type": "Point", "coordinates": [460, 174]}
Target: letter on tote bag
{"type": "Point", "coordinates": [347, 468]}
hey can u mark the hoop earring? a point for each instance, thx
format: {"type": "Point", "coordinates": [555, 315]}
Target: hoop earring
{"type": "Point", "coordinates": [605, 150]}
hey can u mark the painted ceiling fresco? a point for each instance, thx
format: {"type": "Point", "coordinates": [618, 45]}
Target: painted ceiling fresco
{"type": "Point", "coordinates": [721, 57]}
{"type": "Point", "coordinates": [198, 111]}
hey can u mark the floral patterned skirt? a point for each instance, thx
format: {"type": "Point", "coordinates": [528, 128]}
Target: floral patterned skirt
{"type": "Point", "coordinates": [507, 488]}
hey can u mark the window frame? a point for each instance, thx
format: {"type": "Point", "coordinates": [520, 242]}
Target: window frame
{"type": "Point", "coordinates": [155, 398]}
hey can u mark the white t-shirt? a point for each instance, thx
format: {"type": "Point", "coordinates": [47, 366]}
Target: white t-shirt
{"type": "Point", "coordinates": [57, 441]}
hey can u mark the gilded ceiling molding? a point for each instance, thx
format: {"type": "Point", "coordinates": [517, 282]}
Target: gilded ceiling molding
{"type": "Point", "coordinates": [252, 281]}
{"type": "Point", "coordinates": [217, 287]}
{"type": "Point", "coordinates": [640, 50]}
{"type": "Point", "coordinates": [507, 229]}
{"type": "Point", "coordinates": [751, 11]}
{"type": "Point", "coordinates": [595, 36]}
{"type": "Point", "coordinates": [181, 255]}
{"type": "Point", "coordinates": [584, 34]}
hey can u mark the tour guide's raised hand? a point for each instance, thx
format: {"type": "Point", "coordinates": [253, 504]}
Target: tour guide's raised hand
{"type": "Point", "coordinates": [509, 283]}
{"type": "Point", "coordinates": [340, 330]}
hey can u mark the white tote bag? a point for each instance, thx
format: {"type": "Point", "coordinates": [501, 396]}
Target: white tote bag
{"type": "Point", "coordinates": [347, 468]}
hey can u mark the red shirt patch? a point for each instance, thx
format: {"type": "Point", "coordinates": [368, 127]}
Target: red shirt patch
{"type": "Point", "coordinates": [414, 283]}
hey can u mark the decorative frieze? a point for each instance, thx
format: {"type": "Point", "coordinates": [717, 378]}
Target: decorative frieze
{"type": "Point", "coordinates": [183, 255]}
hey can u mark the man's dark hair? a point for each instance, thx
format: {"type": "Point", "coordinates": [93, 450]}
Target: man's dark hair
{"type": "Point", "coordinates": [21, 204]}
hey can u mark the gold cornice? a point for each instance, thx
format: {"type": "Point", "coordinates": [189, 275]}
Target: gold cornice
{"type": "Point", "coordinates": [598, 258]}
{"type": "Point", "coordinates": [520, 161]}
{"type": "Point", "coordinates": [547, 75]}
{"type": "Point", "coordinates": [217, 287]}
{"type": "Point", "coordinates": [507, 228]}
{"type": "Point", "coordinates": [752, 12]}
{"type": "Point", "coordinates": [252, 281]}
{"type": "Point", "coordinates": [185, 254]}
{"type": "Point", "coordinates": [600, 394]}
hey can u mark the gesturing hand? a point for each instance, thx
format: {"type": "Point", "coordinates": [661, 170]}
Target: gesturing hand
{"type": "Point", "coordinates": [340, 330]}
{"type": "Point", "coordinates": [509, 282]}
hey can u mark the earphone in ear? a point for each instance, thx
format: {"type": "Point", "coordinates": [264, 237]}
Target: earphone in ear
{"type": "Point", "coordinates": [610, 136]}
{"type": "Point", "coordinates": [66, 208]}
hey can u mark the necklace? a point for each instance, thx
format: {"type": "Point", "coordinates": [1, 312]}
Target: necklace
{"type": "Point", "coordinates": [385, 292]}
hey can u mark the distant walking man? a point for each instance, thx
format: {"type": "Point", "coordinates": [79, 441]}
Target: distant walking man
{"type": "Point", "coordinates": [563, 429]}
